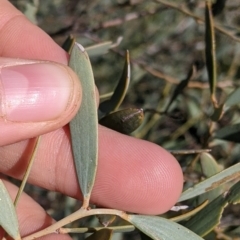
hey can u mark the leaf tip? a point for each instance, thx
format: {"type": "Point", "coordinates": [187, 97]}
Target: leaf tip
{"type": "Point", "coordinates": [80, 47]}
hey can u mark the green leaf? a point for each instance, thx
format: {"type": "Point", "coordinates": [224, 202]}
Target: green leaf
{"type": "Point", "coordinates": [233, 195]}
{"type": "Point", "coordinates": [98, 49]}
{"type": "Point", "coordinates": [229, 133]}
{"type": "Point", "coordinates": [189, 214]}
{"type": "Point", "coordinates": [210, 167]}
{"type": "Point", "coordinates": [209, 164]}
{"type": "Point", "coordinates": [116, 99]}
{"type": "Point", "coordinates": [8, 216]}
{"type": "Point", "coordinates": [210, 49]}
{"type": "Point", "coordinates": [68, 44]}
{"type": "Point", "coordinates": [211, 183]}
{"type": "Point", "coordinates": [181, 86]}
{"type": "Point", "coordinates": [218, 112]}
{"type": "Point", "coordinates": [123, 121]}
{"type": "Point", "coordinates": [160, 228]}
{"type": "Point", "coordinates": [103, 234]}
{"type": "Point", "coordinates": [233, 98]}
{"type": "Point", "coordinates": [203, 222]}
{"type": "Point", "coordinates": [31, 10]}
{"type": "Point", "coordinates": [83, 127]}
{"type": "Point", "coordinates": [209, 217]}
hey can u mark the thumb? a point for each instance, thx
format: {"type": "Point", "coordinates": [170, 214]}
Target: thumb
{"type": "Point", "coordinates": [35, 97]}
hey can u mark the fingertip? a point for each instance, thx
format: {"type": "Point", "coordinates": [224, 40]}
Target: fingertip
{"type": "Point", "coordinates": [36, 97]}
{"type": "Point", "coordinates": [142, 177]}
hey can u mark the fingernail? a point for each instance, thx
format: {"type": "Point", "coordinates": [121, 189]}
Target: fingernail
{"type": "Point", "coordinates": [34, 92]}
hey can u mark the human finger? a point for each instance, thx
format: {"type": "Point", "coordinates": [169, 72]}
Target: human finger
{"type": "Point", "coordinates": [133, 175]}
{"type": "Point", "coordinates": [19, 38]}
{"type": "Point", "coordinates": [35, 97]}
{"type": "Point", "coordinates": [31, 216]}
{"type": "Point", "coordinates": [149, 179]}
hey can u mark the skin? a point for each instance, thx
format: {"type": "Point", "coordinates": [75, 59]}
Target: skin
{"type": "Point", "coordinates": [133, 175]}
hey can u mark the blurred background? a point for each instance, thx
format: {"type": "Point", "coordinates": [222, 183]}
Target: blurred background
{"type": "Point", "coordinates": [165, 39]}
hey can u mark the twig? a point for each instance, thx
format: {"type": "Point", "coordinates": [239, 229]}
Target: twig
{"type": "Point", "coordinates": [170, 79]}
{"type": "Point", "coordinates": [118, 229]}
{"type": "Point", "coordinates": [187, 151]}
{"type": "Point", "coordinates": [56, 227]}
{"type": "Point", "coordinates": [128, 17]}
{"type": "Point", "coordinates": [181, 8]}
{"type": "Point", "coordinates": [163, 76]}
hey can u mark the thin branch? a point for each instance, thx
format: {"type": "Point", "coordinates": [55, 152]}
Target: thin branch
{"type": "Point", "coordinates": [118, 229]}
{"type": "Point", "coordinates": [56, 227]}
{"type": "Point", "coordinates": [164, 76]}
{"type": "Point", "coordinates": [128, 17]}
{"type": "Point", "coordinates": [170, 79]}
{"type": "Point", "coordinates": [181, 8]}
{"type": "Point", "coordinates": [188, 151]}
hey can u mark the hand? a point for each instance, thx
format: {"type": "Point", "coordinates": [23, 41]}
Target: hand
{"type": "Point", "coordinates": [133, 175]}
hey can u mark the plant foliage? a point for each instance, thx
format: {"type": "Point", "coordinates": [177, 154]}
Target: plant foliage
{"type": "Point", "coordinates": [184, 58]}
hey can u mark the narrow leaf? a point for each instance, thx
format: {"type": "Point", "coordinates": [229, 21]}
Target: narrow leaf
{"type": "Point", "coordinates": [210, 167]}
{"type": "Point", "coordinates": [203, 222]}
{"type": "Point", "coordinates": [116, 99]}
{"type": "Point", "coordinates": [105, 96]}
{"type": "Point", "coordinates": [103, 234]}
{"type": "Point", "coordinates": [233, 195]}
{"type": "Point", "coordinates": [98, 49]}
{"type": "Point", "coordinates": [229, 133]}
{"type": "Point", "coordinates": [8, 216]}
{"type": "Point", "coordinates": [189, 214]}
{"type": "Point", "coordinates": [160, 228]}
{"type": "Point", "coordinates": [213, 182]}
{"type": "Point", "coordinates": [83, 127]}
{"type": "Point", "coordinates": [123, 121]}
{"type": "Point", "coordinates": [209, 164]}
{"type": "Point", "coordinates": [30, 10]}
{"type": "Point", "coordinates": [68, 44]}
{"type": "Point", "coordinates": [209, 217]}
{"type": "Point", "coordinates": [181, 86]}
{"type": "Point", "coordinates": [233, 98]}
{"type": "Point", "coordinates": [218, 113]}
{"type": "Point", "coordinates": [210, 50]}
{"type": "Point", "coordinates": [187, 151]}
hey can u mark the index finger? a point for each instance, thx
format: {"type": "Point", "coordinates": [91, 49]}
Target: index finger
{"type": "Point", "coordinates": [133, 175]}
{"type": "Point", "coordinates": [19, 38]}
